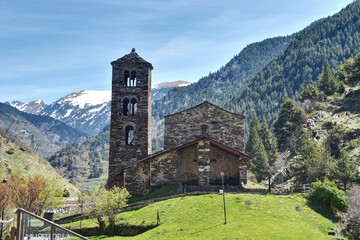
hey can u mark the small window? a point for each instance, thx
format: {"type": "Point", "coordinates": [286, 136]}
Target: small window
{"type": "Point", "coordinates": [133, 79]}
{"type": "Point", "coordinates": [126, 107]}
{"type": "Point", "coordinates": [129, 135]}
{"type": "Point", "coordinates": [133, 107]}
{"type": "Point", "coordinates": [126, 78]}
{"type": "Point", "coordinates": [204, 129]}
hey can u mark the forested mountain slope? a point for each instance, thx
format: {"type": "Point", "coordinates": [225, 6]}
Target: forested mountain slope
{"type": "Point", "coordinates": [332, 39]}
{"type": "Point", "coordinates": [45, 134]}
{"type": "Point", "coordinates": [218, 86]}
{"type": "Point", "coordinates": [85, 162]}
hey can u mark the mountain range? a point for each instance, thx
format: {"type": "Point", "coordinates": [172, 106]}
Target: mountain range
{"type": "Point", "coordinates": [44, 134]}
{"type": "Point", "coordinates": [256, 80]}
{"type": "Point", "coordinates": [87, 111]}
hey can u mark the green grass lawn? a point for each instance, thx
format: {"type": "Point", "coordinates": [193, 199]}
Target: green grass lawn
{"type": "Point", "coordinates": [202, 217]}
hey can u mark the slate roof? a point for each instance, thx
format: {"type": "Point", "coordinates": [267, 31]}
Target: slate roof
{"type": "Point", "coordinates": [133, 57]}
{"type": "Point", "coordinates": [188, 144]}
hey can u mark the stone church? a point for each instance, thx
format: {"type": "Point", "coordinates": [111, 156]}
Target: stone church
{"type": "Point", "coordinates": [199, 143]}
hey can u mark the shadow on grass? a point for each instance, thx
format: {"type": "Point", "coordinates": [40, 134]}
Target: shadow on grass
{"type": "Point", "coordinates": [125, 230]}
{"type": "Point", "coordinates": [322, 211]}
{"type": "Point", "coordinates": [157, 193]}
{"type": "Point", "coordinates": [208, 228]}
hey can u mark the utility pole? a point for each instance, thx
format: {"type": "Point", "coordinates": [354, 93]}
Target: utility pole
{"type": "Point", "coordinates": [223, 192]}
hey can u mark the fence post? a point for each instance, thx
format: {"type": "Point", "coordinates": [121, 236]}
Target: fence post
{"type": "Point", "coordinates": [52, 231]}
{"type": "Point", "coordinates": [13, 233]}
{"type": "Point", "coordinates": [158, 218]}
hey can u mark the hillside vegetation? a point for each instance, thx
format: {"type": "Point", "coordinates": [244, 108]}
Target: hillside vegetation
{"type": "Point", "coordinates": [16, 157]}
{"type": "Point", "coordinates": [85, 162]}
{"type": "Point", "coordinates": [333, 39]}
{"type": "Point", "coordinates": [46, 135]}
{"type": "Point", "coordinates": [248, 217]}
{"type": "Point", "coordinates": [218, 86]}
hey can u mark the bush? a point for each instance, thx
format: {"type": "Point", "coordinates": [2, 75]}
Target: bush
{"type": "Point", "coordinates": [10, 151]}
{"type": "Point", "coordinates": [329, 195]}
{"type": "Point", "coordinates": [354, 143]}
{"type": "Point", "coordinates": [310, 92]}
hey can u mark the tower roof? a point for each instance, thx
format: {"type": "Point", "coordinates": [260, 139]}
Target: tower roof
{"type": "Point", "coordinates": [132, 57]}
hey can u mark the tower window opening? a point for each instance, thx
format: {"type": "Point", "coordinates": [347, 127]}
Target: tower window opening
{"type": "Point", "coordinates": [204, 129]}
{"type": "Point", "coordinates": [126, 78]}
{"type": "Point", "coordinates": [133, 79]}
{"type": "Point", "coordinates": [133, 107]}
{"type": "Point", "coordinates": [126, 107]}
{"type": "Point", "coordinates": [129, 135]}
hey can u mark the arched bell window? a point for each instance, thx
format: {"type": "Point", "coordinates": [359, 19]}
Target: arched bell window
{"type": "Point", "coordinates": [126, 78]}
{"type": "Point", "coordinates": [126, 107]}
{"type": "Point", "coordinates": [133, 107]}
{"type": "Point", "coordinates": [133, 79]}
{"type": "Point", "coordinates": [129, 135]}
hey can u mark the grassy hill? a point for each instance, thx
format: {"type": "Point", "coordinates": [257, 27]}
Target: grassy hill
{"type": "Point", "coordinates": [18, 157]}
{"type": "Point", "coordinates": [249, 216]}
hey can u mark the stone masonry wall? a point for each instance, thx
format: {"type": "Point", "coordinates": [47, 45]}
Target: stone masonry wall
{"type": "Point", "coordinates": [222, 126]}
{"type": "Point", "coordinates": [204, 162]}
{"type": "Point", "coordinates": [137, 179]}
{"type": "Point", "coordinates": [164, 170]}
{"type": "Point", "coordinates": [122, 154]}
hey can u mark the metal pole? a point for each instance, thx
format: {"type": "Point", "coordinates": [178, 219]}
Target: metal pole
{"type": "Point", "coordinates": [2, 225]}
{"type": "Point", "coordinates": [269, 185]}
{"type": "Point", "coordinates": [222, 179]}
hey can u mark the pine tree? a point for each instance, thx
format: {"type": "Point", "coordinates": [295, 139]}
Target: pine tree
{"type": "Point", "coordinates": [314, 160]}
{"type": "Point", "coordinates": [310, 92]}
{"type": "Point", "coordinates": [260, 164]}
{"type": "Point", "coordinates": [328, 83]}
{"type": "Point", "coordinates": [355, 71]}
{"type": "Point", "coordinates": [288, 125]}
{"type": "Point", "coordinates": [269, 142]}
{"type": "Point", "coordinates": [252, 139]}
{"type": "Point", "coordinates": [255, 148]}
{"type": "Point", "coordinates": [344, 170]}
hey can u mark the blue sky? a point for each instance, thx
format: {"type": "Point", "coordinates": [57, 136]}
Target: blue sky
{"type": "Point", "coordinates": [52, 48]}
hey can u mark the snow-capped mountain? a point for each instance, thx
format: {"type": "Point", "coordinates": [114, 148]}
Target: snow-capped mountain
{"type": "Point", "coordinates": [85, 110]}
{"type": "Point", "coordinates": [170, 84]}
{"type": "Point", "coordinates": [33, 107]}
{"type": "Point", "coordinates": [88, 111]}
{"type": "Point", "coordinates": [159, 90]}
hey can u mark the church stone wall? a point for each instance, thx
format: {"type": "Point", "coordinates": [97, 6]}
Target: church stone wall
{"type": "Point", "coordinates": [164, 170]}
{"type": "Point", "coordinates": [220, 125]}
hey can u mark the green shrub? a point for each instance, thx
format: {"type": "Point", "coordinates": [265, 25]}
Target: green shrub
{"type": "Point", "coordinates": [309, 92]}
{"type": "Point", "coordinates": [313, 114]}
{"type": "Point", "coordinates": [10, 151]}
{"type": "Point", "coordinates": [327, 124]}
{"type": "Point", "coordinates": [320, 107]}
{"type": "Point", "coordinates": [354, 143]}
{"type": "Point", "coordinates": [329, 195]}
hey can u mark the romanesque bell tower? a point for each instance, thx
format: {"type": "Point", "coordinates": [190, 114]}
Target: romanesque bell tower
{"type": "Point", "coordinates": [130, 129]}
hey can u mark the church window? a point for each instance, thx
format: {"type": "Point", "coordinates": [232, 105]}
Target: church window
{"type": "Point", "coordinates": [204, 129]}
{"type": "Point", "coordinates": [126, 78]}
{"type": "Point", "coordinates": [129, 135]}
{"type": "Point", "coordinates": [126, 106]}
{"type": "Point", "coordinates": [133, 107]}
{"type": "Point", "coordinates": [133, 79]}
